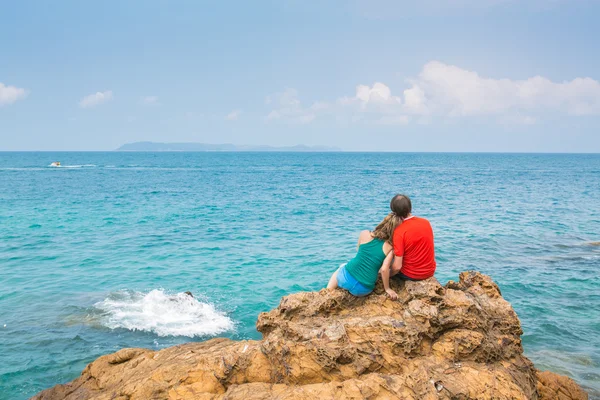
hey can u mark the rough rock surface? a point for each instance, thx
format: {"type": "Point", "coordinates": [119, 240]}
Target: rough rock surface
{"type": "Point", "coordinates": [461, 341]}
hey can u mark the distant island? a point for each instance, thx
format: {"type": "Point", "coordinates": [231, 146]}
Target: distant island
{"type": "Point", "coordinates": [156, 146]}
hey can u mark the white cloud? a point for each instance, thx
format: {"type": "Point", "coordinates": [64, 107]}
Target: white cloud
{"type": "Point", "coordinates": [233, 116]}
{"type": "Point", "coordinates": [95, 99]}
{"type": "Point", "coordinates": [378, 94]}
{"type": "Point", "coordinates": [150, 100]}
{"type": "Point", "coordinates": [415, 100]}
{"type": "Point", "coordinates": [10, 94]}
{"type": "Point", "coordinates": [288, 108]}
{"type": "Point", "coordinates": [452, 91]}
{"type": "Point", "coordinates": [305, 119]}
{"type": "Point", "coordinates": [374, 104]}
{"type": "Point", "coordinates": [446, 91]}
{"type": "Point", "coordinates": [273, 115]}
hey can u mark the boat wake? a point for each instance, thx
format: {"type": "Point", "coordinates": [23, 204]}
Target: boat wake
{"type": "Point", "coordinates": [161, 313]}
{"type": "Point", "coordinates": [59, 165]}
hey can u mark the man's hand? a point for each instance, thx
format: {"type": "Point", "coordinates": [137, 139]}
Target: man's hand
{"type": "Point", "coordinates": [393, 295]}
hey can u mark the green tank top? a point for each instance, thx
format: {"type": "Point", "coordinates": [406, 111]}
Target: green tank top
{"type": "Point", "coordinates": [365, 265]}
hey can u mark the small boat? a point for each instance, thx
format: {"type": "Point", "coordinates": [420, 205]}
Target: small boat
{"type": "Point", "coordinates": [55, 164]}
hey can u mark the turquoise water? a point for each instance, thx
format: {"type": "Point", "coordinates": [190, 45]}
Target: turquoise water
{"type": "Point", "coordinates": [96, 255]}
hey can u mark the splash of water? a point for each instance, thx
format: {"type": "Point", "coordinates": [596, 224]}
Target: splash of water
{"type": "Point", "coordinates": [162, 313]}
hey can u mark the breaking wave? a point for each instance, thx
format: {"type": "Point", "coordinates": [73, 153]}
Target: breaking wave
{"type": "Point", "coordinates": [161, 313]}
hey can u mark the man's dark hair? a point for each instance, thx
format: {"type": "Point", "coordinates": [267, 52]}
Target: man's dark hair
{"type": "Point", "coordinates": [401, 205]}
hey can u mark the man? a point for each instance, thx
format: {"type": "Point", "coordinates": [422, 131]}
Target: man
{"type": "Point", "coordinates": [413, 243]}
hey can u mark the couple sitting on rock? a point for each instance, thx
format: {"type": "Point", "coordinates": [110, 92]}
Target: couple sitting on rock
{"type": "Point", "coordinates": [401, 246]}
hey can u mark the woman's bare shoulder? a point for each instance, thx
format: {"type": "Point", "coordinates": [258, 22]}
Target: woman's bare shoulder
{"type": "Point", "coordinates": [365, 236]}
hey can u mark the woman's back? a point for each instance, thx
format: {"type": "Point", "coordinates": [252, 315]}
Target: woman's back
{"type": "Point", "coordinates": [364, 267]}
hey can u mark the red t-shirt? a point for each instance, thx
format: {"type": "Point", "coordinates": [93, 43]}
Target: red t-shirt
{"type": "Point", "coordinates": [413, 240]}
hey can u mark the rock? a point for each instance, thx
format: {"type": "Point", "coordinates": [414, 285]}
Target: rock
{"type": "Point", "coordinates": [553, 386]}
{"type": "Point", "coordinates": [461, 341]}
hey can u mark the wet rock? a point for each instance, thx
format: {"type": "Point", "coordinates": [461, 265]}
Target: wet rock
{"type": "Point", "coordinates": [461, 341]}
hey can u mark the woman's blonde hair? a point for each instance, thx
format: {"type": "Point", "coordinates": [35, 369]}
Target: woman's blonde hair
{"type": "Point", "coordinates": [385, 230]}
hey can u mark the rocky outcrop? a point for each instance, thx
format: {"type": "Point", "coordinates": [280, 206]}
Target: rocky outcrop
{"type": "Point", "coordinates": [461, 341]}
{"type": "Point", "coordinates": [553, 386]}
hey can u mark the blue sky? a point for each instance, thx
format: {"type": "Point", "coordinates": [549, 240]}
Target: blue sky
{"type": "Point", "coordinates": [379, 75]}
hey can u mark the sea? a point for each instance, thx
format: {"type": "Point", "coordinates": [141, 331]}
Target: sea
{"type": "Point", "coordinates": [97, 254]}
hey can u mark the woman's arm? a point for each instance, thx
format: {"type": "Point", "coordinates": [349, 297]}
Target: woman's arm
{"type": "Point", "coordinates": [385, 275]}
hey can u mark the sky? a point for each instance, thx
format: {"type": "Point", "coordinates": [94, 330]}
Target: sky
{"type": "Point", "coordinates": [361, 75]}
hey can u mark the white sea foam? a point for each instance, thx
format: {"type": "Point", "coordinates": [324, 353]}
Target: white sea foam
{"type": "Point", "coordinates": [163, 314]}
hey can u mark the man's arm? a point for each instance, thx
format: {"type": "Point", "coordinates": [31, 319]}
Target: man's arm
{"type": "Point", "coordinates": [398, 250]}
{"type": "Point", "coordinates": [385, 275]}
{"type": "Point", "coordinates": [396, 265]}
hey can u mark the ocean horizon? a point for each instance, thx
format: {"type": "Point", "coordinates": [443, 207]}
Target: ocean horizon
{"type": "Point", "coordinates": [96, 255]}
{"type": "Point", "coordinates": [300, 152]}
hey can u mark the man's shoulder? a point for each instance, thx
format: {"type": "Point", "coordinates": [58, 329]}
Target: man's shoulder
{"type": "Point", "coordinates": [411, 223]}
{"type": "Point", "coordinates": [424, 221]}
{"type": "Point", "coordinates": [416, 222]}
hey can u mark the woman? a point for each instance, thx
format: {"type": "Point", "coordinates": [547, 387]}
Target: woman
{"type": "Point", "coordinates": [374, 254]}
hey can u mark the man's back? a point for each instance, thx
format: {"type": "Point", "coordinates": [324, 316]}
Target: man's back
{"type": "Point", "coordinates": [413, 240]}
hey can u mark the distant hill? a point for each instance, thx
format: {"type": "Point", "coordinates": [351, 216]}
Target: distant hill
{"type": "Point", "coordinates": [155, 146]}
